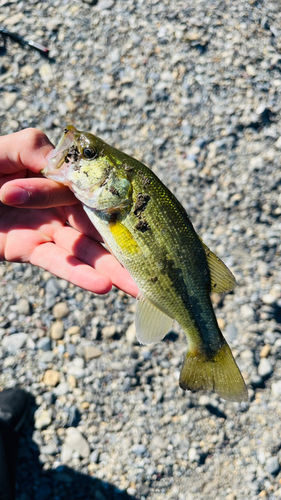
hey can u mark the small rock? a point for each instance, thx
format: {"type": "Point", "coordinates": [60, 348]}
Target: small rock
{"type": "Point", "coordinates": [139, 449]}
{"type": "Point", "coordinates": [268, 299]}
{"type": "Point", "coordinates": [231, 332]}
{"type": "Point", "coordinates": [251, 70]}
{"type": "Point", "coordinates": [278, 143]}
{"type": "Point", "coordinates": [43, 418]}
{"type": "Point", "coordinates": [108, 331]}
{"type": "Point", "coordinates": [45, 344]}
{"type": "Point", "coordinates": [66, 453]}
{"type": "Point", "coordinates": [221, 323]}
{"type": "Point", "coordinates": [60, 310]}
{"type": "Point", "coordinates": [91, 352]}
{"type": "Point", "coordinates": [73, 330]}
{"type": "Point", "coordinates": [159, 442]}
{"type": "Point", "coordinates": [77, 442]}
{"type": "Point", "coordinates": [131, 333]}
{"type": "Point", "coordinates": [62, 389]}
{"type": "Point", "coordinates": [265, 350]}
{"type": "Point", "coordinates": [52, 286]}
{"type": "Point", "coordinates": [105, 4]}
{"type": "Point", "coordinates": [247, 312]}
{"type": "Point", "coordinates": [94, 457]}
{"type": "Point", "coordinates": [46, 73]}
{"type": "Point", "coordinates": [14, 342]}
{"type": "Point", "coordinates": [272, 465]}
{"type": "Point", "coordinates": [72, 381]}
{"type": "Point", "coordinates": [193, 455]}
{"type": "Point", "coordinates": [265, 368]}
{"type": "Point", "coordinates": [276, 388]}
{"type": "Point", "coordinates": [9, 99]}
{"type": "Point", "coordinates": [256, 163]}
{"type": "Point", "coordinates": [204, 400]}
{"type": "Point", "coordinates": [57, 330]}
{"type": "Point", "coordinates": [49, 449]}
{"type": "Point", "coordinates": [51, 377]}
{"type": "Point", "coordinates": [23, 307]}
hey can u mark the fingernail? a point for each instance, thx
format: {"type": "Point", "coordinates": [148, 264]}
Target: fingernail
{"type": "Point", "coordinates": [15, 196]}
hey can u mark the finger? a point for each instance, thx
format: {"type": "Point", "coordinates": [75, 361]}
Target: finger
{"type": "Point", "coordinates": [58, 261]}
{"type": "Point", "coordinates": [93, 253]}
{"type": "Point", "coordinates": [36, 193]}
{"type": "Point", "coordinates": [26, 149]}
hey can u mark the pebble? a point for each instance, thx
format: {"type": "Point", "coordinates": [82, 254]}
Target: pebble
{"type": "Point", "coordinates": [265, 351]}
{"type": "Point", "coordinates": [77, 442]}
{"type": "Point", "coordinates": [51, 377]}
{"type": "Point", "coordinates": [131, 333]}
{"type": "Point", "coordinates": [276, 388]}
{"type": "Point", "coordinates": [265, 368]}
{"type": "Point", "coordinates": [91, 352]}
{"type": "Point", "coordinates": [24, 307]}
{"type": "Point", "coordinates": [272, 465]}
{"type": "Point", "coordinates": [108, 331]}
{"type": "Point", "coordinates": [268, 299]}
{"type": "Point", "coordinates": [60, 310]}
{"type": "Point", "coordinates": [14, 342]}
{"type": "Point", "coordinates": [43, 418]}
{"type": "Point", "coordinates": [73, 330]}
{"type": "Point", "coordinates": [57, 330]}
{"type": "Point", "coordinates": [45, 344]}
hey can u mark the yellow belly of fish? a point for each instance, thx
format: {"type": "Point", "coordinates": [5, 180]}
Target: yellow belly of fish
{"type": "Point", "coordinates": [124, 238]}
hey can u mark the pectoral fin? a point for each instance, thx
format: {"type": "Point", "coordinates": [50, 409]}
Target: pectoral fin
{"type": "Point", "coordinates": [222, 279]}
{"type": "Point", "coordinates": [151, 323]}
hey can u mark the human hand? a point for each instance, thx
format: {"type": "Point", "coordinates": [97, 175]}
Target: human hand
{"type": "Point", "coordinates": [41, 221]}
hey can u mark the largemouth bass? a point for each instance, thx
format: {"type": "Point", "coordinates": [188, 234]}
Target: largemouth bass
{"type": "Point", "coordinates": [149, 232]}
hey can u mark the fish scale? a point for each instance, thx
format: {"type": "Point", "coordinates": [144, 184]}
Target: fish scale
{"type": "Point", "coordinates": [149, 232]}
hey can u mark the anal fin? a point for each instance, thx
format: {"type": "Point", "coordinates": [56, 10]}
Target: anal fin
{"type": "Point", "coordinates": [151, 323]}
{"type": "Point", "coordinates": [219, 374]}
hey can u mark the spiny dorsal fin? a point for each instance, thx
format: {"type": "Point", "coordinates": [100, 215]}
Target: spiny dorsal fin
{"type": "Point", "coordinates": [151, 323]}
{"type": "Point", "coordinates": [219, 374]}
{"type": "Point", "coordinates": [222, 279]}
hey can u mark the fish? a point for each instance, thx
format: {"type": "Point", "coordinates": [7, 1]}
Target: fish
{"type": "Point", "coordinates": [147, 229]}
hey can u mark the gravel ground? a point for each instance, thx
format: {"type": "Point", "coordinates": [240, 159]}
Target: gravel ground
{"type": "Point", "coordinates": [193, 90]}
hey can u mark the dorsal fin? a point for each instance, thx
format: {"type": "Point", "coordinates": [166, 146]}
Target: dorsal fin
{"type": "Point", "coordinates": [222, 279]}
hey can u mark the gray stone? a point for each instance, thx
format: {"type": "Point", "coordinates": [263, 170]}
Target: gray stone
{"type": "Point", "coordinates": [139, 449]}
{"type": "Point", "coordinates": [276, 388]}
{"type": "Point", "coordinates": [265, 368]}
{"type": "Point", "coordinates": [52, 287]}
{"type": "Point", "coordinates": [77, 442]}
{"type": "Point", "coordinates": [62, 389]}
{"type": "Point", "coordinates": [24, 307]}
{"type": "Point", "coordinates": [231, 332]}
{"type": "Point", "coordinates": [43, 418]}
{"type": "Point", "coordinates": [14, 342]}
{"type": "Point", "coordinates": [272, 465]}
{"type": "Point", "coordinates": [45, 344]}
{"type": "Point", "coordinates": [94, 457]}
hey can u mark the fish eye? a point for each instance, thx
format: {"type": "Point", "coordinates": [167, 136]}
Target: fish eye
{"type": "Point", "coordinates": [89, 153]}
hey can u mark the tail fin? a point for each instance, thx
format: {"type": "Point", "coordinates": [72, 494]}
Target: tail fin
{"type": "Point", "coordinates": [219, 374]}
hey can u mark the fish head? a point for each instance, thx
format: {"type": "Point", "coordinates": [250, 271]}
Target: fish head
{"type": "Point", "coordinates": [89, 167]}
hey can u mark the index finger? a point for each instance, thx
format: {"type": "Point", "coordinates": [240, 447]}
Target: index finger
{"type": "Point", "coordinates": [26, 149]}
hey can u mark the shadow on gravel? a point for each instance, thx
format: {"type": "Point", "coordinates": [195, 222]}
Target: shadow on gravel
{"type": "Point", "coordinates": [62, 483]}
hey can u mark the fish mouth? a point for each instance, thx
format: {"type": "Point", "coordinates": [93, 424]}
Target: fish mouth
{"type": "Point", "coordinates": [57, 157]}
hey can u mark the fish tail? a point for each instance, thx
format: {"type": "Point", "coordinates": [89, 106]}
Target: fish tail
{"type": "Point", "coordinates": [218, 373]}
